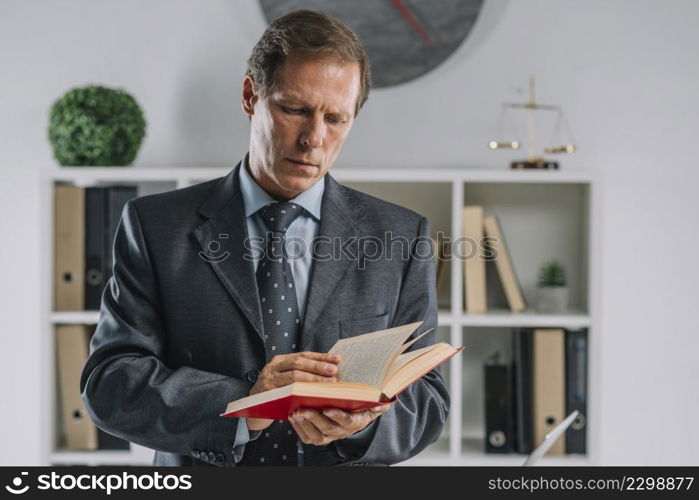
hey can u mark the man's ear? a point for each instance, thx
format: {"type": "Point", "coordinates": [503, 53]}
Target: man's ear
{"type": "Point", "coordinates": [248, 97]}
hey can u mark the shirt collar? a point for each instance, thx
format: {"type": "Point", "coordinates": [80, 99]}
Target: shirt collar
{"type": "Point", "coordinates": [254, 197]}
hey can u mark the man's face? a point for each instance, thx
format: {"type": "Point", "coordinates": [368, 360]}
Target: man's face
{"type": "Point", "coordinates": [298, 128]}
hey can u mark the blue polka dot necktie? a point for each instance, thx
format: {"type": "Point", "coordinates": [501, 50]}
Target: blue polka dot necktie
{"type": "Point", "coordinates": [277, 445]}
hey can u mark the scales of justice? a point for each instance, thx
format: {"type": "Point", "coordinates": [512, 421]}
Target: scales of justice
{"type": "Point", "coordinates": [561, 141]}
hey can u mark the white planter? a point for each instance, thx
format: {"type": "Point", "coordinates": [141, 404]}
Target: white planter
{"type": "Point", "coordinates": [552, 299]}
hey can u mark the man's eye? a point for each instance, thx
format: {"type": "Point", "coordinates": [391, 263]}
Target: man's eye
{"type": "Point", "coordinates": [333, 120]}
{"type": "Point", "coordinates": [294, 111]}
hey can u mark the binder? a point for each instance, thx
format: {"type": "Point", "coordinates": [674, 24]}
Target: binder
{"type": "Point", "coordinates": [499, 411]}
{"type": "Point", "coordinates": [94, 246]}
{"type": "Point", "coordinates": [474, 263]}
{"type": "Point", "coordinates": [117, 196]}
{"type": "Point", "coordinates": [576, 389]}
{"type": "Point", "coordinates": [103, 207]}
{"type": "Point", "coordinates": [548, 384]}
{"type": "Point", "coordinates": [72, 348]}
{"type": "Point", "coordinates": [503, 264]}
{"type": "Point", "coordinates": [69, 248]}
{"type": "Point", "coordinates": [522, 368]}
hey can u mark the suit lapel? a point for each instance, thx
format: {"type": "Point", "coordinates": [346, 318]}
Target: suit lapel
{"type": "Point", "coordinates": [340, 213]}
{"type": "Point", "coordinates": [226, 225]}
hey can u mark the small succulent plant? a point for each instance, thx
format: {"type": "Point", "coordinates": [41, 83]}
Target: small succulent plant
{"type": "Point", "coordinates": [552, 273]}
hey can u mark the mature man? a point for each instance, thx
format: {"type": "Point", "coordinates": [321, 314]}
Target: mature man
{"type": "Point", "coordinates": [193, 318]}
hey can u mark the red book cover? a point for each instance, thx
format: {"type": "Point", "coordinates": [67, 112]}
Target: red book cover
{"type": "Point", "coordinates": [280, 408]}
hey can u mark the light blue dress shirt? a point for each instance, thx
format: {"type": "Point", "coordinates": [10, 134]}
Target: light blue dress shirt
{"type": "Point", "coordinates": [299, 236]}
{"type": "Point", "coordinates": [300, 232]}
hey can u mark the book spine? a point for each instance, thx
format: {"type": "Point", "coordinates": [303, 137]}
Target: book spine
{"type": "Point", "coordinates": [94, 246]}
{"type": "Point", "coordinates": [117, 196]}
{"type": "Point", "coordinates": [474, 263]}
{"type": "Point", "coordinates": [499, 424]}
{"type": "Point", "coordinates": [549, 384]}
{"type": "Point", "coordinates": [71, 354]}
{"type": "Point", "coordinates": [576, 389]}
{"type": "Point", "coordinates": [522, 367]}
{"type": "Point", "coordinates": [503, 264]}
{"type": "Point", "coordinates": [69, 248]}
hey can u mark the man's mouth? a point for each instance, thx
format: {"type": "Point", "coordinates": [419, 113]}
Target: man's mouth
{"type": "Point", "coordinates": [302, 162]}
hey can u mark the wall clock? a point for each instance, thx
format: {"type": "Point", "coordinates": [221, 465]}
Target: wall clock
{"type": "Point", "coordinates": [404, 38]}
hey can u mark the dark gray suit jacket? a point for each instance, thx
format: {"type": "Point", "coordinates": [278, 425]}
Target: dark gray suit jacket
{"type": "Point", "coordinates": [180, 336]}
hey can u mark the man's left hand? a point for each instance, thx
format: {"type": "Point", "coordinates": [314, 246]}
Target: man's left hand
{"type": "Point", "coordinates": [320, 428]}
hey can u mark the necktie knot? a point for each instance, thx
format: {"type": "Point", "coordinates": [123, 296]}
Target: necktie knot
{"type": "Point", "coordinates": [279, 216]}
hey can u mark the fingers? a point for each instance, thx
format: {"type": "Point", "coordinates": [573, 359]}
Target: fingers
{"type": "Point", "coordinates": [322, 364]}
{"type": "Point", "coordinates": [380, 410]}
{"type": "Point", "coordinates": [301, 432]}
{"type": "Point", "coordinates": [321, 428]}
{"type": "Point", "coordinates": [323, 424]}
{"type": "Point", "coordinates": [281, 379]}
{"type": "Point", "coordinates": [343, 418]}
{"type": "Point", "coordinates": [357, 420]}
{"type": "Point", "coordinates": [285, 369]}
{"type": "Point", "coordinates": [308, 424]}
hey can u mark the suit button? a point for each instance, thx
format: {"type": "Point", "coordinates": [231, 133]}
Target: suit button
{"type": "Point", "coordinates": [212, 457]}
{"type": "Point", "coordinates": [220, 459]}
{"type": "Point", "coordinates": [195, 453]}
{"type": "Point", "coordinates": [253, 375]}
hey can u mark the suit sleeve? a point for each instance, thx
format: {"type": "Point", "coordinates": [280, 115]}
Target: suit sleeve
{"type": "Point", "coordinates": [127, 387]}
{"type": "Point", "coordinates": [417, 417]}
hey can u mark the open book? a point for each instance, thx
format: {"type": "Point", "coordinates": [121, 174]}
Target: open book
{"type": "Point", "coordinates": [374, 368]}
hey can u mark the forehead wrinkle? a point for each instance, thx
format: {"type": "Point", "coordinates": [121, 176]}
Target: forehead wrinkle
{"type": "Point", "coordinates": [288, 87]}
{"type": "Point", "coordinates": [287, 95]}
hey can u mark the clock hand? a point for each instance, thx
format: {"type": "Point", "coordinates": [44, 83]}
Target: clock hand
{"type": "Point", "coordinates": [398, 4]}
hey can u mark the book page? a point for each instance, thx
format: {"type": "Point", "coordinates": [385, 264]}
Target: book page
{"type": "Point", "coordinates": [405, 358]}
{"type": "Point", "coordinates": [405, 346]}
{"type": "Point", "coordinates": [366, 358]}
{"type": "Point", "coordinates": [418, 366]}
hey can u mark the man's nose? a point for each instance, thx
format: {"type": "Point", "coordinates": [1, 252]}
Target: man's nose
{"type": "Point", "coordinates": [313, 134]}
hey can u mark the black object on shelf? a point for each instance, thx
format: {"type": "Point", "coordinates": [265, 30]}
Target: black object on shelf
{"type": "Point", "coordinates": [103, 207]}
{"type": "Point", "coordinates": [576, 389]}
{"type": "Point", "coordinates": [522, 365]}
{"type": "Point", "coordinates": [499, 411]}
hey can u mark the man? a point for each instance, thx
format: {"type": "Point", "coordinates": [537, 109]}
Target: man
{"type": "Point", "coordinates": [196, 316]}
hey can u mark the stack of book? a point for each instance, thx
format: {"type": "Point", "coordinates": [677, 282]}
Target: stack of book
{"type": "Point", "coordinates": [528, 396]}
{"type": "Point", "coordinates": [85, 223]}
{"type": "Point", "coordinates": [484, 241]}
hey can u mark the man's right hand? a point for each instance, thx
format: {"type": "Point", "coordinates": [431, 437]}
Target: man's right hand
{"type": "Point", "coordinates": [284, 369]}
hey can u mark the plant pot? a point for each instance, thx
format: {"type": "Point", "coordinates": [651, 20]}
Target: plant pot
{"type": "Point", "coordinates": [552, 299]}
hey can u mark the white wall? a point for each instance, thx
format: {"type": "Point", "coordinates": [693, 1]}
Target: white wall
{"type": "Point", "coordinates": [625, 71]}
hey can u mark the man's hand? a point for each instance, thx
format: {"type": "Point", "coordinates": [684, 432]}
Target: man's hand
{"type": "Point", "coordinates": [321, 428]}
{"type": "Point", "coordinates": [284, 369]}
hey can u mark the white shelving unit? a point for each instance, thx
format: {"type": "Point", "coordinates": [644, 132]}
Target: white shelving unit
{"type": "Point", "coordinates": [544, 214]}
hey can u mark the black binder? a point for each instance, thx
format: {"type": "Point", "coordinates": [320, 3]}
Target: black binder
{"type": "Point", "coordinates": [117, 196]}
{"type": "Point", "coordinates": [499, 411]}
{"type": "Point", "coordinates": [522, 367]}
{"type": "Point", "coordinates": [103, 207]}
{"type": "Point", "coordinates": [94, 246]}
{"type": "Point", "coordinates": [576, 389]}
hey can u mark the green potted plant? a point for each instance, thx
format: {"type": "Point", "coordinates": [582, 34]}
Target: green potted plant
{"type": "Point", "coordinates": [96, 126]}
{"type": "Point", "coordinates": [552, 289]}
